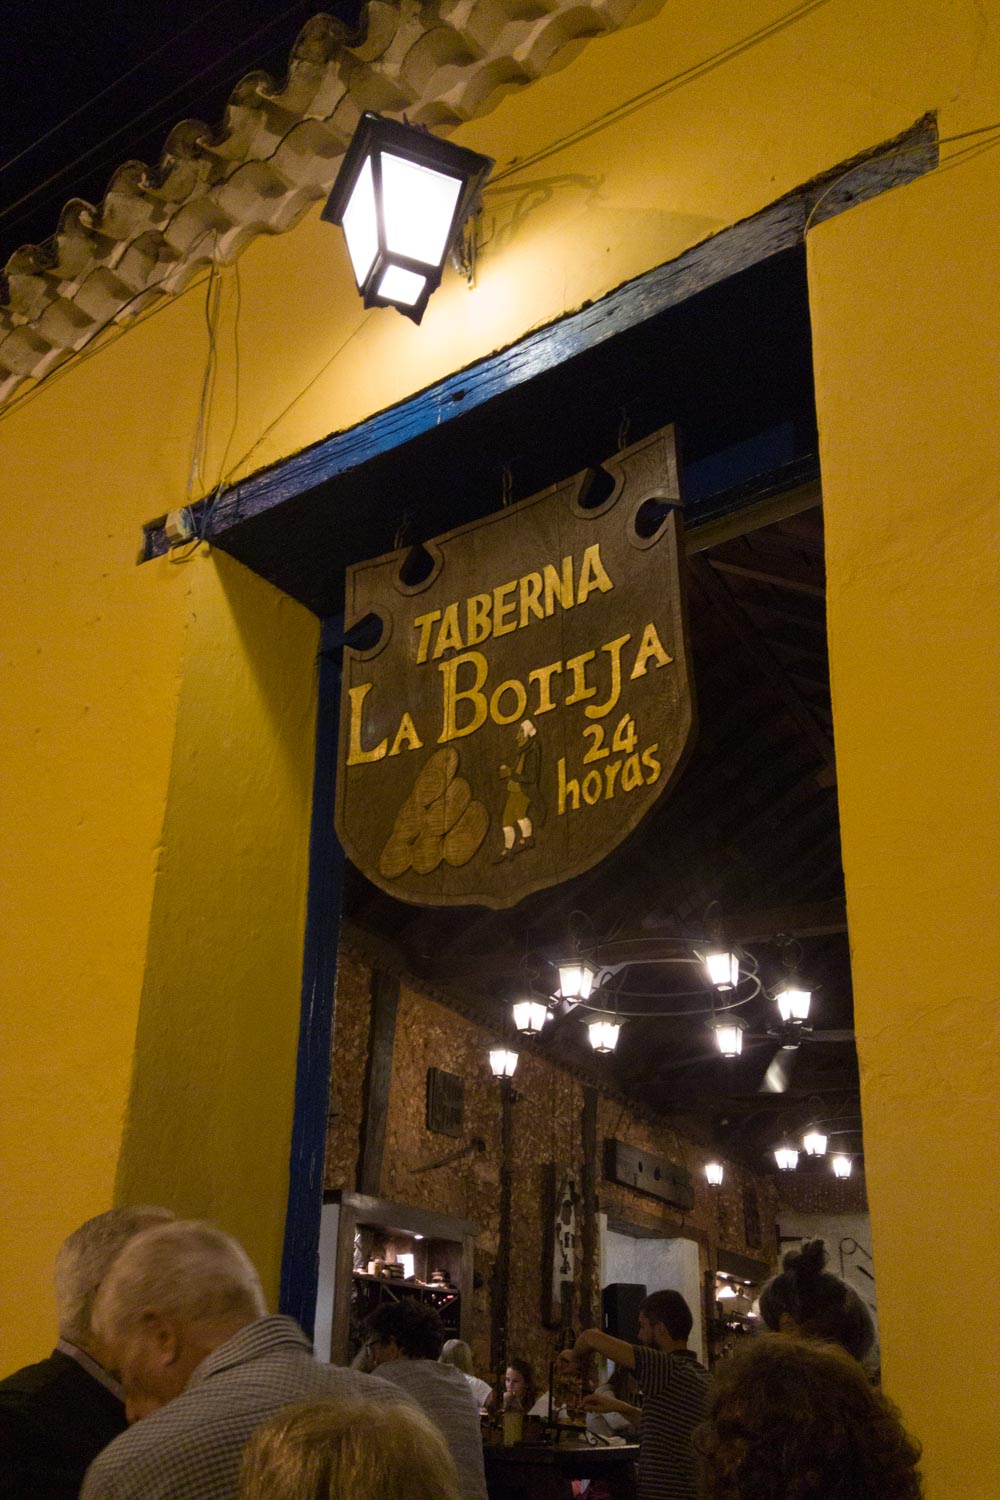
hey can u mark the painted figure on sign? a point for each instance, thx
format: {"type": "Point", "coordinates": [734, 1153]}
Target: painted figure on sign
{"type": "Point", "coordinates": [524, 799]}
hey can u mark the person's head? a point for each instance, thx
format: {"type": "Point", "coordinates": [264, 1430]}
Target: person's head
{"type": "Point", "coordinates": [526, 732]}
{"type": "Point", "coordinates": [567, 1365]}
{"type": "Point", "coordinates": [665, 1321]}
{"type": "Point", "coordinates": [805, 1299]}
{"type": "Point", "coordinates": [795, 1419]}
{"type": "Point", "coordinates": [457, 1352]}
{"type": "Point", "coordinates": [84, 1259]}
{"type": "Point", "coordinates": [348, 1449]}
{"type": "Point", "coordinates": [404, 1330]}
{"type": "Point", "coordinates": [519, 1381]}
{"type": "Point", "coordinates": [174, 1294]}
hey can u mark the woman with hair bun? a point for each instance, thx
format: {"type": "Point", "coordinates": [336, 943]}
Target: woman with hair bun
{"type": "Point", "coordinates": [806, 1300]}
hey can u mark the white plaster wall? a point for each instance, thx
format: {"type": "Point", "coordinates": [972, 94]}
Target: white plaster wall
{"type": "Point", "coordinates": [658, 1265]}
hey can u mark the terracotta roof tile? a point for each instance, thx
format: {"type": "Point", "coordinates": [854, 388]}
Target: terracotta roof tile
{"type": "Point", "coordinates": [276, 152]}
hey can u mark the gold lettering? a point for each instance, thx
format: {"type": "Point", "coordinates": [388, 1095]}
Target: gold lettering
{"type": "Point", "coordinates": [632, 774]}
{"type": "Point", "coordinates": [610, 777]}
{"type": "Point", "coordinates": [592, 574]}
{"type": "Point", "coordinates": [567, 789]}
{"type": "Point", "coordinates": [650, 647]}
{"type": "Point", "coordinates": [406, 737]}
{"type": "Point", "coordinates": [614, 648]}
{"type": "Point", "coordinates": [557, 587]}
{"type": "Point", "coordinates": [504, 607]}
{"type": "Point", "coordinates": [577, 665]}
{"type": "Point", "coordinates": [356, 755]}
{"type": "Point", "coordinates": [449, 636]}
{"type": "Point", "coordinates": [452, 695]}
{"type": "Point", "coordinates": [543, 676]}
{"type": "Point", "coordinates": [531, 593]}
{"type": "Point", "coordinates": [479, 626]}
{"type": "Point", "coordinates": [520, 701]}
{"type": "Point", "coordinates": [652, 764]}
{"type": "Point", "coordinates": [592, 787]}
{"type": "Point", "coordinates": [423, 623]}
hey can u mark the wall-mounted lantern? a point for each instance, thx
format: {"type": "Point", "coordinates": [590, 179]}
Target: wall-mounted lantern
{"type": "Point", "coordinates": [715, 1172]}
{"type": "Point", "coordinates": [502, 1062]}
{"type": "Point", "coordinates": [787, 1157]}
{"type": "Point", "coordinates": [401, 197]}
{"type": "Point", "coordinates": [841, 1166]}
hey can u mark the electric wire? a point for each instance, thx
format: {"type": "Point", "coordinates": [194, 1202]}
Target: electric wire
{"type": "Point", "coordinates": [152, 109]}
{"type": "Point", "coordinates": [946, 140]}
{"type": "Point", "coordinates": [75, 114]}
{"type": "Point", "coordinates": [654, 91]}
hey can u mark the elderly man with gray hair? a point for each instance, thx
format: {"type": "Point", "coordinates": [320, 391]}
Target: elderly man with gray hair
{"type": "Point", "coordinates": [56, 1416]}
{"type": "Point", "coordinates": [183, 1318]}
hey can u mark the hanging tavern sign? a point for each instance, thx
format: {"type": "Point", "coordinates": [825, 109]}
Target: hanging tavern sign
{"type": "Point", "coordinates": [528, 701]}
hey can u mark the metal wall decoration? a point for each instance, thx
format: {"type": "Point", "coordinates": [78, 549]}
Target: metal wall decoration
{"type": "Point", "coordinates": [528, 701]}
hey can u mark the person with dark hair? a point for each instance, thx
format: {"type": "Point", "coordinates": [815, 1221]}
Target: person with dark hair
{"type": "Point", "coordinates": [405, 1339]}
{"type": "Point", "coordinates": [673, 1385]}
{"type": "Point", "coordinates": [807, 1300]}
{"type": "Point", "coordinates": [795, 1419]}
{"type": "Point", "coordinates": [519, 1384]}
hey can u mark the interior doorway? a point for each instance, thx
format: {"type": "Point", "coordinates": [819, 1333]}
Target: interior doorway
{"type": "Point", "coordinates": [659, 1262]}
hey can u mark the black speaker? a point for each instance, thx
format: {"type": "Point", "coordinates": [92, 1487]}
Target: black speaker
{"type": "Point", "coordinates": [620, 1304]}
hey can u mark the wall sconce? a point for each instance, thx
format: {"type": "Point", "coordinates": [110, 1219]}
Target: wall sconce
{"type": "Point", "coordinates": [604, 1033]}
{"type": "Point", "coordinates": [502, 1062]}
{"type": "Point", "coordinates": [401, 197]}
{"type": "Point", "coordinates": [530, 1016]}
{"type": "Point", "coordinates": [793, 1002]}
{"type": "Point", "coordinates": [814, 1142]}
{"type": "Point", "coordinates": [723, 969]}
{"type": "Point", "coordinates": [714, 1172]}
{"type": "Point", "coordinates": [576, 980]}
{"type": "Point", "coordinates": [787, 1158]}
{"type": "Point", "coordinates": [841, 1166]}
{"type": "Point", "coordinates": [726, 1292]}
{"type": "Point", "coordinates": [728, 1034]}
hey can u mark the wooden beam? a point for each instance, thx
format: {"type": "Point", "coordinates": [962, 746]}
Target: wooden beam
{"type": "Point", "coordinates": [378, 1080]}
{"type": "Point", "coordinates": [779, 227]}
{"type": "Point", "coordinates": [797, 585]}
{"type": "Point", "coordinates": [765, 660]}
{"type": "Point", "coordinates": [728, 528]}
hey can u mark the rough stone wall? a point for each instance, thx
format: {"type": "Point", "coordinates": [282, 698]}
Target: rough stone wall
{"type": "Point", "coordinates": [546, 1129]}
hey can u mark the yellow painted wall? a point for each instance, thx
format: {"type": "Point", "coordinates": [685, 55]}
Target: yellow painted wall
{"type": "Point", "coordinates": [155, 770]}
{"type": "Point", "coordinates": [908, 367]}
{"type": "Point", "coordinates": [138, 690]}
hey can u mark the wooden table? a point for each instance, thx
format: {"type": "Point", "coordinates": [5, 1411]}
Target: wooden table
{"type": "Point", "coordinates": [535, 1471]}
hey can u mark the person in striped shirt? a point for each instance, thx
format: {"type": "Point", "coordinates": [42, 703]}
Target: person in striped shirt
{"type": "Point", "coordinates": [674, 1389]}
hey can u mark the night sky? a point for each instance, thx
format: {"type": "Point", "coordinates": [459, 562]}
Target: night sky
{"type": "Point", "coordinates": [55, 60]}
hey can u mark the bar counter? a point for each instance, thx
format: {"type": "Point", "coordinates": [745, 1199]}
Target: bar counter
{"type": "Point", "coordinates": [535, 1471]}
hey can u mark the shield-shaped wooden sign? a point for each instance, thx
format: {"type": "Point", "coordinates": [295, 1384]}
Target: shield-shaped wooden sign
{"type": "Point", "coordinates": [528, 700]}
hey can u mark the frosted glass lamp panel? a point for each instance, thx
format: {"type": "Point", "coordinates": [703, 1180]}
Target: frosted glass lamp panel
{"type": "Point", "coordinates": [403, 287]}
{"type": "Point", "coordinates": [418, 205]}
{"type": "Point", "coordinates": [603, 1035]}
{"type": "Point", "coordinates": [723, 970]}
{"type": "Point", "coordinates": [360, 224]}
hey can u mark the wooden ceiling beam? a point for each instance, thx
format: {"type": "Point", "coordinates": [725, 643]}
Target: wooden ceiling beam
{"type": "Point", "coordinates": [765, 660]}
{"type": "Point", "coordinates": [798, 585]}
